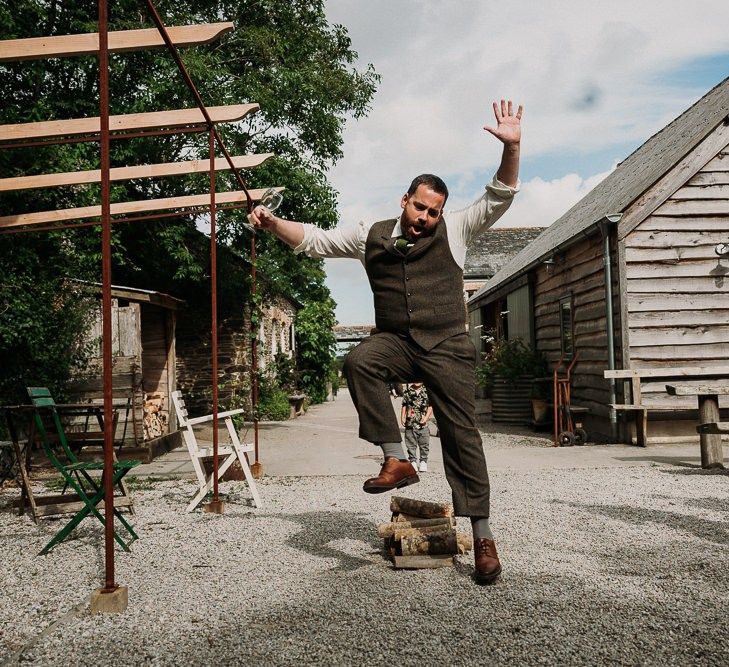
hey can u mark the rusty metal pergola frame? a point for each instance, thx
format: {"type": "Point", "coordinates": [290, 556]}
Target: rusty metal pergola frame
{"type": "Point", "coordinates": [104, 137]}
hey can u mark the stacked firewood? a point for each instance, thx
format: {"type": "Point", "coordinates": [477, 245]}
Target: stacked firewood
{"type": "Point", "coordinates": [155, 421]}
{"type": "Point", "coordinates": [422, 534]}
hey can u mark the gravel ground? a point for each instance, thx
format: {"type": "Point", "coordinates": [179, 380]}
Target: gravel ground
{"type": "Point", "coordinates": [601, 566]}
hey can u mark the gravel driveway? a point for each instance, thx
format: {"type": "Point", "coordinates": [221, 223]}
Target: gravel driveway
{"type": "Point", "coordinates": [601, 566]}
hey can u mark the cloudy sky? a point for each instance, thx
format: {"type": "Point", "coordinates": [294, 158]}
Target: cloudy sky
{"type": "Point", "coordinates": [596, 80]}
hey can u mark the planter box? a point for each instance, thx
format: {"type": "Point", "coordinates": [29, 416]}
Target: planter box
{"type": "Point", "coordinates": [511, 400]}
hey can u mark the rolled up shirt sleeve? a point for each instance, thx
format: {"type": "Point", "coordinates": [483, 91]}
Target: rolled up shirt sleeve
{"type": "Point", "coordinates": [342, 241]}
{"type": "Point", "coordinates": [469, 222]}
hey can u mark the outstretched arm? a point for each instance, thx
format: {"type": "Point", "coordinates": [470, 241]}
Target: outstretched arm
{"type": "Point", "coordinates": [508, 131]}
{"type": "Point", "coordinates": [342, 241]}
{"type": "Point", "coordinates": [290, 232]}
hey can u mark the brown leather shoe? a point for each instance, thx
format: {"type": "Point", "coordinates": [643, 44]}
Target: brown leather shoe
{"type": "Point", "coordinates": [488, 567]}
{"type": "Point", "coordinates": [394, 474]}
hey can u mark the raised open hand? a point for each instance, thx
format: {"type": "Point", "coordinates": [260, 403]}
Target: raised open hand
{"type": "Point", "coordinates": [508, 124]}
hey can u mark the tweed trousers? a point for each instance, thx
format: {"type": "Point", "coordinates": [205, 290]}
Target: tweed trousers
{"type": "Point", "coordinates": [448, 372]}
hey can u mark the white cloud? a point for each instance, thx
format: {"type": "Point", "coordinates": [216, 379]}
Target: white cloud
{"type": "Point", "coordinates": [540, 202]}
{"type": "Point", "coordinates": [591, 76]}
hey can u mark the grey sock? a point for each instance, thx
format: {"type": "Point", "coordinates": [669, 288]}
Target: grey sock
{"type": "Point", "coordinates": [481, 528]}
{"type": "Point", "coordinates": [392, 449]}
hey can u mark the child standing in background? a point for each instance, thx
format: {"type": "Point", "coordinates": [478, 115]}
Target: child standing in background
{"type": "Point", "coordinates": [414, 416]}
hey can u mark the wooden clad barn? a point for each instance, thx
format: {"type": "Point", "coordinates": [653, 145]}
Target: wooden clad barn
{"type": "Point", "coordinates": [143, 347]}
{"type": "Point", "coordinates": [656, 228]}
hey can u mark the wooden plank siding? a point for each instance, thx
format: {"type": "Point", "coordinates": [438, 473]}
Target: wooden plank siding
{"type": "Point", "coordinates": [677, 288]}
{"type": "Point", "coordinates": [579, 271]}
{"type": "Point", "coordinates": [126, 370]}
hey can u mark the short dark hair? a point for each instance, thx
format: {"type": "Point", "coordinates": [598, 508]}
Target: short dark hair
{"type": "Point", "coordinates": [431, 181]}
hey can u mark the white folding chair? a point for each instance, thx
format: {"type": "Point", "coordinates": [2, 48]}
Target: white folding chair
{"type": "Point", "coordinates": [228, 453]}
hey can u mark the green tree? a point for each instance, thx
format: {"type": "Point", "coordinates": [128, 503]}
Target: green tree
{"type": "Point", "coordinates": [316, 346]}
{"type": "Point", "coordinates": [283, 54]}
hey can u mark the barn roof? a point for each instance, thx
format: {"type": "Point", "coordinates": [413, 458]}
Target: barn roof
{"type": "Point", "coordinates": [633, 176]}
{"type": "Point", "coordinates": [493, 249]}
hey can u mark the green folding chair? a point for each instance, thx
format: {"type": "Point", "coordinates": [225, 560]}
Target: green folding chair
{"type": "Point", "coordinates": [75, 473]}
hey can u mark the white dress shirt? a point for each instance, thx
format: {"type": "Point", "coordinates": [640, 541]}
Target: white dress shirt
{"type": "Point", "coordinates": [463, 225]}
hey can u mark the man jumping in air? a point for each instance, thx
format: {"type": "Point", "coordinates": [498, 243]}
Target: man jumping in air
{"type": "Point", "coordinates": [415, 268]}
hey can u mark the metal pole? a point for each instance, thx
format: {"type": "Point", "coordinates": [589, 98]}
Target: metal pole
{"type": "Point", "coordinates": [106, 333]}
{"type": "Point", "coordinates": [198, 99]}
{"type": "Point", "coordinates": [256, 468]}
{"type": "Point", "coordinates": [605, 225]}
{"type": "Point", "coordinates": [214, 315]}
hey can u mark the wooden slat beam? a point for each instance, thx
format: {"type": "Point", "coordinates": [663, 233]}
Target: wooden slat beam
{"type": "Point", "coordinates": [668, 371]}
{"type": "Point", "coordinates": [128, 173]}
{"type": "Point", "coordinates": [136, 121]}
{"type": "Point", "coordinates": [121, 208]}
{"type": "Point", "coordinates": [697, 389]}
{"type": "Point", "coordinates": [34, 48]}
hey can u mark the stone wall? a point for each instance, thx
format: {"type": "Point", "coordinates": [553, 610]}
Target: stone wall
{"type": "Point", "coordinates": [194, 377]}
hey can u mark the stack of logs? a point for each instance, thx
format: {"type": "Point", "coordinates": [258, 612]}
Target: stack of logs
{"type": "Point", "coordinates": [422, 534]}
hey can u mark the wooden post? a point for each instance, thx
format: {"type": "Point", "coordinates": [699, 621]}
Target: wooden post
{"type": "Point", "coordinates": [711, 452]}
{"type": "Point", "coordinates": [641, 428]}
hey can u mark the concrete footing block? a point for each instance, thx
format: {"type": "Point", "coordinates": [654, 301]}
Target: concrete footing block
{"type": "Point", "coordinates": [104, 601]}
{"type": "Point", "coordinates": [214, 507]}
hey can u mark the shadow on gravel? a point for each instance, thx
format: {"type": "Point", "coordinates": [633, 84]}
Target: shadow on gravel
{"type": "Point", "coordinates": [711, 504]}
{"type": "Point", "coordinates": [705, 529]}
{"type": "Point", "coordinates": [679, 461]}
{"type": "Point", "coordinates": [321, 528]}
{"type": "Point", "coordinates": [698, 470]}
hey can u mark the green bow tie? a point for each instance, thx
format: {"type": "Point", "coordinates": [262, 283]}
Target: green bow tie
{"type": "Point", "coordinates": [402, 243]}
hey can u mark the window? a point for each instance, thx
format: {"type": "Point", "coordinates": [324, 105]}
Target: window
{"type": "Point", "coordinates": [565, 326]}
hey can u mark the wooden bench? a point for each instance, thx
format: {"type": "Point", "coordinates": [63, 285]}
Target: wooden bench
{"type": "Point", "coordinates": [708, 399]}
{"type": "Point", "coordinates": [633, 379]}
{"type": "Point", "coordinates": [296, 402]}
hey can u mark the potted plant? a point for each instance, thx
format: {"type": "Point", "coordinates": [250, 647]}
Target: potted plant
{"type": "Point", "coordinates": [541, 395]}
{"type": "Point", "coordinates": [508, 372]}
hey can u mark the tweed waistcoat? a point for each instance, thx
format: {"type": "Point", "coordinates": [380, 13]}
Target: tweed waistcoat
{"type": "Point", "coordinates": [418, 292]}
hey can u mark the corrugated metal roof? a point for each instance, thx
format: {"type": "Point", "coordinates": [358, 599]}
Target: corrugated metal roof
{"type": "Point", "coordinates": [638, 172]}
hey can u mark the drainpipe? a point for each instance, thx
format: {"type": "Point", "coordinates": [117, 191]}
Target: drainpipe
{"type": "Point", "coordinates": [605, 224]}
